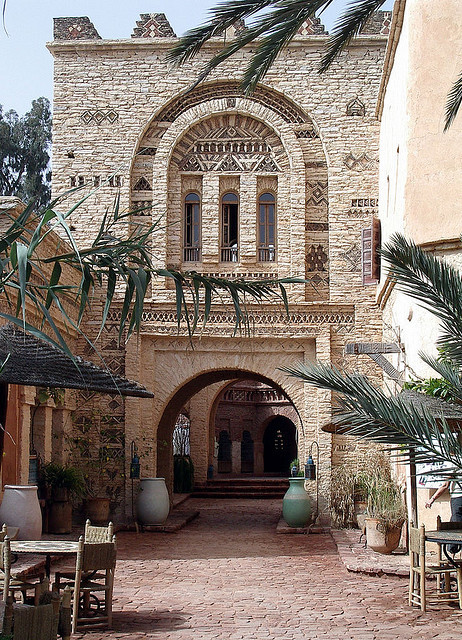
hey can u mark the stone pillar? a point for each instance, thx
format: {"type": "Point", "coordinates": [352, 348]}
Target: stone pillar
{"type": "Point", "coordinates": [199, 408]}
{"type": "Point", "coordinates": [236, 456]}
{"type": "Point", "coordinates": [210, 217]}
{"type": "Point", "coordinates": [248, 218]}
{"type": "Point", "coordinates": [27, 402]}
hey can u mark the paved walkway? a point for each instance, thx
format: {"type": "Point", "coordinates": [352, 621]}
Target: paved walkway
{"type": "Point", "coordinates": [229, 576]}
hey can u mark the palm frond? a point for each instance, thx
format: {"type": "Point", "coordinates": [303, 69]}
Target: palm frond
{"type": "Point", "coordinates": [347, 26]}
{"type": "Point", "coordinates": [280, 25]}
{"type": "Point", "coordinates": [434, 283]}
{"type": "Point", "coordinates": [363, 410]}
{"type": "Point", "coordinates": [453, 102]}
{"type": "Point", "coordinates": [223, 16]}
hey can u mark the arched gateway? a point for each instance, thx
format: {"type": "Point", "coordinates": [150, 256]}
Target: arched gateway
{"type": "Point", "coordinates": [277, 184]}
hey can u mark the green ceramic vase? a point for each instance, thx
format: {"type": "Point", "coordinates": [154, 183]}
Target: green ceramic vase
{"type": "Point", "coordinates": [296, 504]}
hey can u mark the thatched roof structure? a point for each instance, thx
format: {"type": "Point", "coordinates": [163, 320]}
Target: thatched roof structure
{"type": "Point", "coordinates": [37, 363]}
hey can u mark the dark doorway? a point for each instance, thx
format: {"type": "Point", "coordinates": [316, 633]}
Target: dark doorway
{"type": "Point", "coordinates": [279, 446]}
{"type": "Point", "coordinates": [246, 453]}
{"type": "Point", "coordinates": [224, 453]}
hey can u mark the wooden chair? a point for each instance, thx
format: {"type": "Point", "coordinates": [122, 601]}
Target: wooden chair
{"type": "Point", "coordinates": [10, 584]}
{"type": "Point", "coordinates": [92, 535]}
{"type": "Point", "coordinates": [420, 571]}
{"type": "Point", "coordinates": [93, 579]}
{"type": "Point", "coordinates": [45, 621]}
{"type": "Point", "coordinates": [11, 532]}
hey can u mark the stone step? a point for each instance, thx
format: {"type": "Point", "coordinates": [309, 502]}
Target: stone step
{"type": "Point", "coordinates": [238, 488]}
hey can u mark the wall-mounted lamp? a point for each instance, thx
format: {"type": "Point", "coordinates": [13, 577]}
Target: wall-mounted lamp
{"type": "Point", "coordinates": [135, 463]}
{"type": "Point", "coordinates": [310, 473]}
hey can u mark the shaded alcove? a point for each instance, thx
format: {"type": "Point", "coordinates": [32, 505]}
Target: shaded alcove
{"type": "Point", "coordinates": [279, 445]}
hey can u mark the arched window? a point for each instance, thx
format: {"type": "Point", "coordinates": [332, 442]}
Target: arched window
{"type": "Point", "coordinates": [266, 228]}
{"type": "Point", "coordinates": [192, 228]}
{"type": "Point", "coordinates": [229, 228]}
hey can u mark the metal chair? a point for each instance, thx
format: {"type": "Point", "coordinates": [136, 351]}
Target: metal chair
{"type": "Point", "coordinates": [93, 580]}
{"type": "Point", "coordinates": [420, 571]}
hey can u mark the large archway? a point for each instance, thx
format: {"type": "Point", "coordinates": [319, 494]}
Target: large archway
{"type": "Point", "coordinates": [280, 445]}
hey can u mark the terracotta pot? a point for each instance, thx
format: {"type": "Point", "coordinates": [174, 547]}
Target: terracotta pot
{"type": "Point", "coordinates": [60, 516]}
{"type": "Point", "coordinates": [381, 539]}
{"type": "Point", "coordinates": [20, 508]}
{"type": "Point", "coordinates": [97, 510]}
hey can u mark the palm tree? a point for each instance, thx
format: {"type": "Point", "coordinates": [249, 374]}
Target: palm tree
{"type": "Point", "coordinates": [364, 410]}
{"type": "Point", "coordinates": [275, 26]}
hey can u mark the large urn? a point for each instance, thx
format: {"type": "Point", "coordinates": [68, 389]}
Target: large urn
{"type": "Point", "coordinates": [296, 504]}
{"type": "Point", "coordinates": [20, 508]}
{"type": "Point", "coordinates": [153, 502]}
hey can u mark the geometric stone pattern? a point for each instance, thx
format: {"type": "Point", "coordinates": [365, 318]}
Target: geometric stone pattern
{"type": "Point", "coordinates": [153, 25]}
{"type": "Point", "coordinates": [230, 143]}
{"type": "Point", "coordinates": [360, 162]}
{"type": "Point", "coordinates": [356, 108]}
{"type": "Point", "coordinates": [74, 29]}
{"type": "Point", "coordinates": [378, 23]}
{"type": "Point", "coordinates": [312, 26]}
{"type": "Point", "coordinates": [99, 116]}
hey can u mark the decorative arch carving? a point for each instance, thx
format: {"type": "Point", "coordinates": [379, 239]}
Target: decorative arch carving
{"type": "Point", "coordinates": [230, 143]}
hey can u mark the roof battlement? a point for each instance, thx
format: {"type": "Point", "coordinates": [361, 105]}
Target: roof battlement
{"type": "Point", "coordinates": [156, 25]}
{"type": "Point", "coordinates": [153, 25]}
{"type": "Point", "coordinates": [78, 28]}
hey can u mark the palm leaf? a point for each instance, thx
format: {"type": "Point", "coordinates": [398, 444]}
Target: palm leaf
{"type": "Point", "coordinates": [363, 410]}
{"type": "Point", "coordinates": [348, 25]}
{"type": "Point", "coordinates": [434, 283]}
{"type": "Point", "coordinates": [453, 103]}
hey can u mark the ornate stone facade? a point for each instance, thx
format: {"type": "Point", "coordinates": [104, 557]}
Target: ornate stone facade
{"type": "Point", "coordinates": [267, 185]}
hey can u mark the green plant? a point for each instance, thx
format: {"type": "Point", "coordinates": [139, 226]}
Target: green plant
{"type": "Point", "coordinates": [296, 463]}
{"type": "Point", "coordinates": [183, 474]}
{"type": "Point", "coordinates": [55, 476]}
{"type": "Point", "coordinates": [384, 501]}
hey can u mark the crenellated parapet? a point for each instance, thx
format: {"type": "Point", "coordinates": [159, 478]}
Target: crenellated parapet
{"type": "Point", "coordinates": [79, 28]}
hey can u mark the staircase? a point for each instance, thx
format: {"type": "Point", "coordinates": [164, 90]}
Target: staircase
{"type": "Point", "coordinates": [239, 488]}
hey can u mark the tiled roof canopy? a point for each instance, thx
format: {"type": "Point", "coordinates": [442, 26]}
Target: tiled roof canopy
{"type": "Point", "coordinates": [34, 362]}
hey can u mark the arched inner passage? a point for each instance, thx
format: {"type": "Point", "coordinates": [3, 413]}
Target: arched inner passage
{"type": "Point", "coordinates": [235, 423]}
{"type": "Point", "coordinates": [280, 445]}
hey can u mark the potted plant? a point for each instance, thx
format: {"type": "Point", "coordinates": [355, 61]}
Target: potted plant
{"type": "Point", "coordinates": [59, 483]}
{"type": "Point", "coordinates": [95, 448]}
{"type": "Point", "coordinates": [386, 513]}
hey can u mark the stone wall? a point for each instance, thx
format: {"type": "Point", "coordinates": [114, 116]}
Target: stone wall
{"type": "Point", "coordinates": [124, 124]}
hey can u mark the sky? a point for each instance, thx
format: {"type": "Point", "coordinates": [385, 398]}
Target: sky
{"type": "Point", "coordinates": [26, 65]}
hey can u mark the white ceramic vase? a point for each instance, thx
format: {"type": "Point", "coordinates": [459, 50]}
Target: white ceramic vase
{"type": "Point", "coordinates": [20, 508]}
{"type": "Point", "coordinates": [153, 502]}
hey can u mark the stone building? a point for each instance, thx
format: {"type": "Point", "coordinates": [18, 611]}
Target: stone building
{"type": "Point", "coordinates": [281, 183]}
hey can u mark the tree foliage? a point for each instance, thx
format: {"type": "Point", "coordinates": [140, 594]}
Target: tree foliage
{"type": "Point", "coordinates": [24, 153]}
{"type": "Point", "coordinates": [365, 410]}
{"type": "Point", "coordinates": [274, 23]}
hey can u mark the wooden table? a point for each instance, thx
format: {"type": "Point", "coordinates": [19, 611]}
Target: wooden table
{"type": "Point", "coordinates": [46, 547]}
{"type": "Point", "coordinates": [444, 538]}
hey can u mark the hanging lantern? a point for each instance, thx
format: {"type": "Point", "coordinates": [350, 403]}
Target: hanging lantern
{"type": "Point", "coordinates": [310, 469]}
{"type": "Point", "coordinates": [135, 463]}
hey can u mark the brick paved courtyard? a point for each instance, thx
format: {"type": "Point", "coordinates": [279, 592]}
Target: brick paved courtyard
{"type": "Point", "coordinates": [228, 575]}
